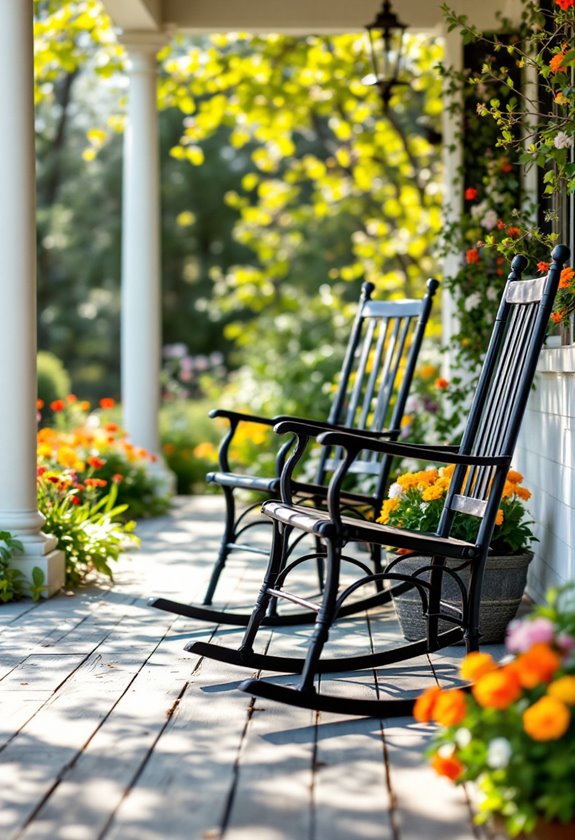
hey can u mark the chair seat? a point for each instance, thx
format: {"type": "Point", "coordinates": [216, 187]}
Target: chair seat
{"type": "Point", "coordinates": [245, 482]}
{"type": "Point", "coordinates": [318, 522]}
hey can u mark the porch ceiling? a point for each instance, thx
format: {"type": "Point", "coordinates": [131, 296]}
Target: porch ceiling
{"type": "Point", "coordinates": [295, 16]}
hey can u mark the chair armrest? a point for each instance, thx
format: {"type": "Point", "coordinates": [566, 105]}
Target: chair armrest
{"type": "Point", "coordinates": [354, 443]}
{"type": "Point", "coordinates": [298, 425]}
{"type": "Point", "coordinates": [239, 417]}
{"type": "Point", "coordinates": [234, 418]}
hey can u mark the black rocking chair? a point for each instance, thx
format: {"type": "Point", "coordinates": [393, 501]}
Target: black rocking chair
{"type": "Point", "coordinates": [481, 464]}
{"type": "Point", "coordinates": [373, 388]}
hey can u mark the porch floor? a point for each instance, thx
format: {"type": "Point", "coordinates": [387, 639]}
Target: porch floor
{"type": "Point", "coordinates": [109, 729]}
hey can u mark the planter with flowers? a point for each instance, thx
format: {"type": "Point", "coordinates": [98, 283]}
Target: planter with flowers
{"type": "Point", "coordinates": [513, 734]}
{"type": "Point", "coordinates": [415, 501]}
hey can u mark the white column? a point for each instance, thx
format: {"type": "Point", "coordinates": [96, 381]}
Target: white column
{"type": "Point", "coordinates": [141, 280]}
{"type": "Point", "coordinates": [452, 185]}
{"type": "Point", "coordinates": [18, 502]}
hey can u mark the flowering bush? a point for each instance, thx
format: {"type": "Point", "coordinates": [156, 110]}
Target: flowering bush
{"type": "Point", "coordinates": [88, 525]}
{"type": "Point", "coordinates": [415, 501]}
{"type": "Point", "coordinates": [97, 454]}
{"type": "Point", "coordinates": [514, 733]}
{"type": "Point", "coordinates": [184, 375]}
{"type": "Point", "coordinates": [427, 412]}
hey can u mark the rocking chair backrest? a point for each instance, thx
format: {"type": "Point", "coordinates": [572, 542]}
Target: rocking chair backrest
{"type": "Point", "coordinates": [502, 392]}
{"type": "Point", "coordinates": [377, 371]}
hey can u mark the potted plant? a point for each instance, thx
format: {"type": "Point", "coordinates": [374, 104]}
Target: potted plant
{"type": "Point", "coordinates": [415, 500]}
{"type": "Point", "coordinates": [513, 734]}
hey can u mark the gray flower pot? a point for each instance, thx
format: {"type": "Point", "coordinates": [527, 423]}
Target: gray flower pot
{"type": "Point", "coordinates": [503, 586]}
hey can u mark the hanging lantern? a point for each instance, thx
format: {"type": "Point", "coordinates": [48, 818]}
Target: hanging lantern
{"type": "Point", "coordinates": [386, 46]}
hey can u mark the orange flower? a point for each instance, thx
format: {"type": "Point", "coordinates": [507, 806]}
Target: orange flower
{"type": "Point", "coordinates": [563, 689]}
{"type": "Point", "coordinates": [499, 517]}
{"type": "Point", "coordinates": [556, 63]}
{"type": "Point", "coordinates": [85, 405]}
{"type": "Point", "coordinates": [536, 665]}
{"type": "Point", "coordinates": [111, 427]}
{"type": "Point", "coordinates": [441, 383]}
{"type": "Point", "coordinates": [477, 664]}
{"type": "Point", "coordinates": [497, 689]}
{"type": "Point", "coordinates": [95, 482]}
{"type": "Point", "coordinates": [425, 703]}
{"type": "Point", "coordinates": [449, 766]}
{"type": "Point", "coordinates": [514, 477]}
{"type": "Point", "coordinates": [513, 232]}
{"type": "Point", "coordinates": [95, 462]}
{"type": "Point", "coordinates": [117, 478]}
{"type": "Point", "coordinates": [39, 404]}
{"type": "Point", "coordinates": [449, 708]}
{"type": "Point", "coordinates": [71, 399]}
{"type": "Point", "coordinates": [472, 256]}
{"type": "Point", "coordinates": [57, 405]}
{"type": "Point", "coordinates": [523, 493]}
{"type": "Point", "coordinates": [547, 719]}
{"type": "Point", "coordinates": [107, 402]}
{"type": "Point", "coordinates": [543, 267]}
{"type": "Point", "coordinates": [566, 276]}
{"type": "Point", "coordinates": [556, 317]}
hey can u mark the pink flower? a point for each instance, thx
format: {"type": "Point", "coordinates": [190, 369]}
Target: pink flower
{"type": "Point", "coordinates": [521, 635]}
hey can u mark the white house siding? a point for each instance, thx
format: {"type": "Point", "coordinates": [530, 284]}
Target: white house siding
{"type": "Point", "coordinates": [545, 456]}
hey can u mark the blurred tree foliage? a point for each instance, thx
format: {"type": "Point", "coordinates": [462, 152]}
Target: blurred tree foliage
{"type": "Point", "coordinates": [299, 189]}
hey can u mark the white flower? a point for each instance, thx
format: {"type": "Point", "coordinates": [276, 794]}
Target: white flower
{"type": "Point", "coordinates": [478, 210]}
{"type": "Point", "coordinates": [492, 293]}
{"type": "Point", "coordinates": [562, 140]}
{"type": "Point", "coordinates": [472, 301]}
{"type": "Point", "coordinates": [489, 220]}
{"type": "Point", "coordinates": [498, 753]}
{"type": "Point", "coordinates": [446, 750]}
{"type": "Point", "coordinates": [463, 737]}
{"type": "Point", "coordinates": [412, 404]}
{"type": "Point", "coordinates": [395, 491]}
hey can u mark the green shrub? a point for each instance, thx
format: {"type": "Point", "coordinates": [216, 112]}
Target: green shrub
{"type": "Point", "coordinates": [53, 379]}
{"type": "Point", "coordinates": [190, 442]}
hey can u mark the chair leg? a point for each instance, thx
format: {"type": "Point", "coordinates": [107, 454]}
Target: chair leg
{"type": "Point", "coordinates": [227, 538]}
{"type": "Point", "coordinates": [472, 634]}
{"type": "Point", "coordinates": [275, 565]}
{"type": "Point", "coordinates": [325, 618]}
{"type": "Point", "coordinates": [433, 607]}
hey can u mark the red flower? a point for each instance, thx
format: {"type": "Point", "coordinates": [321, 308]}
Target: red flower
{"type": "Point", "coordinates": [107, 402]}
{"type": "Point", "coordinates": [565, 4]}
{"type": "Point", "coordinates": [513, 232]}
{"type": "Point", "coordinates": [505, 165]}
{"type": "Point", "coordinates": [472, 256]}
{"type": "Point", "coordinates": [500, 224]}
{"type": "Point", "coordinates": [117, 478]}
{"type": "Point", "coordinates": [441, 383]}
{"type": "Point", "coordinates": [95, 462]}
{"type": "Point", "coordinates": [470, 194]}
{"type": "Point", "coordinates": [543, 267]}
{"type": "Point", "coordinates": [40, 471]}
{"type": "Point", "coordinates": [75, 500]}
{"type": "Point", "coordinates": [57, 405]}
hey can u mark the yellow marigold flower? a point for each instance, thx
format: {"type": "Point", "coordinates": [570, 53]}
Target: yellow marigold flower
{"type": "Point", "coordinates": [499, 517]}
{"type": "Point", "coordinates": [523, 493]}
{"type": "Point", "coordinates": [406, 421]}
{"type": "Point", "coordinates": [476, 664]}
{"type": "Point", "coordinates": [563, 689]}
{"type": "Point", "coordinates": [431, 493]}
{"type": "Point", "coordinates": [204, 450]}
{"type": "Point", "coordinates": [547, 719]}
{"type": "Point", "coordinates": [561, 99]}
{"type": "Point", "coordinates": [514, 477]}
{"type": "Point", "coordinates": [388, 506]}
{"type": "Point", "coordinates": [67, 457]}
{"type": "Point", "coordinates": [427, 371]}
{"type": "Point", "coordinates": [447, 472]}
